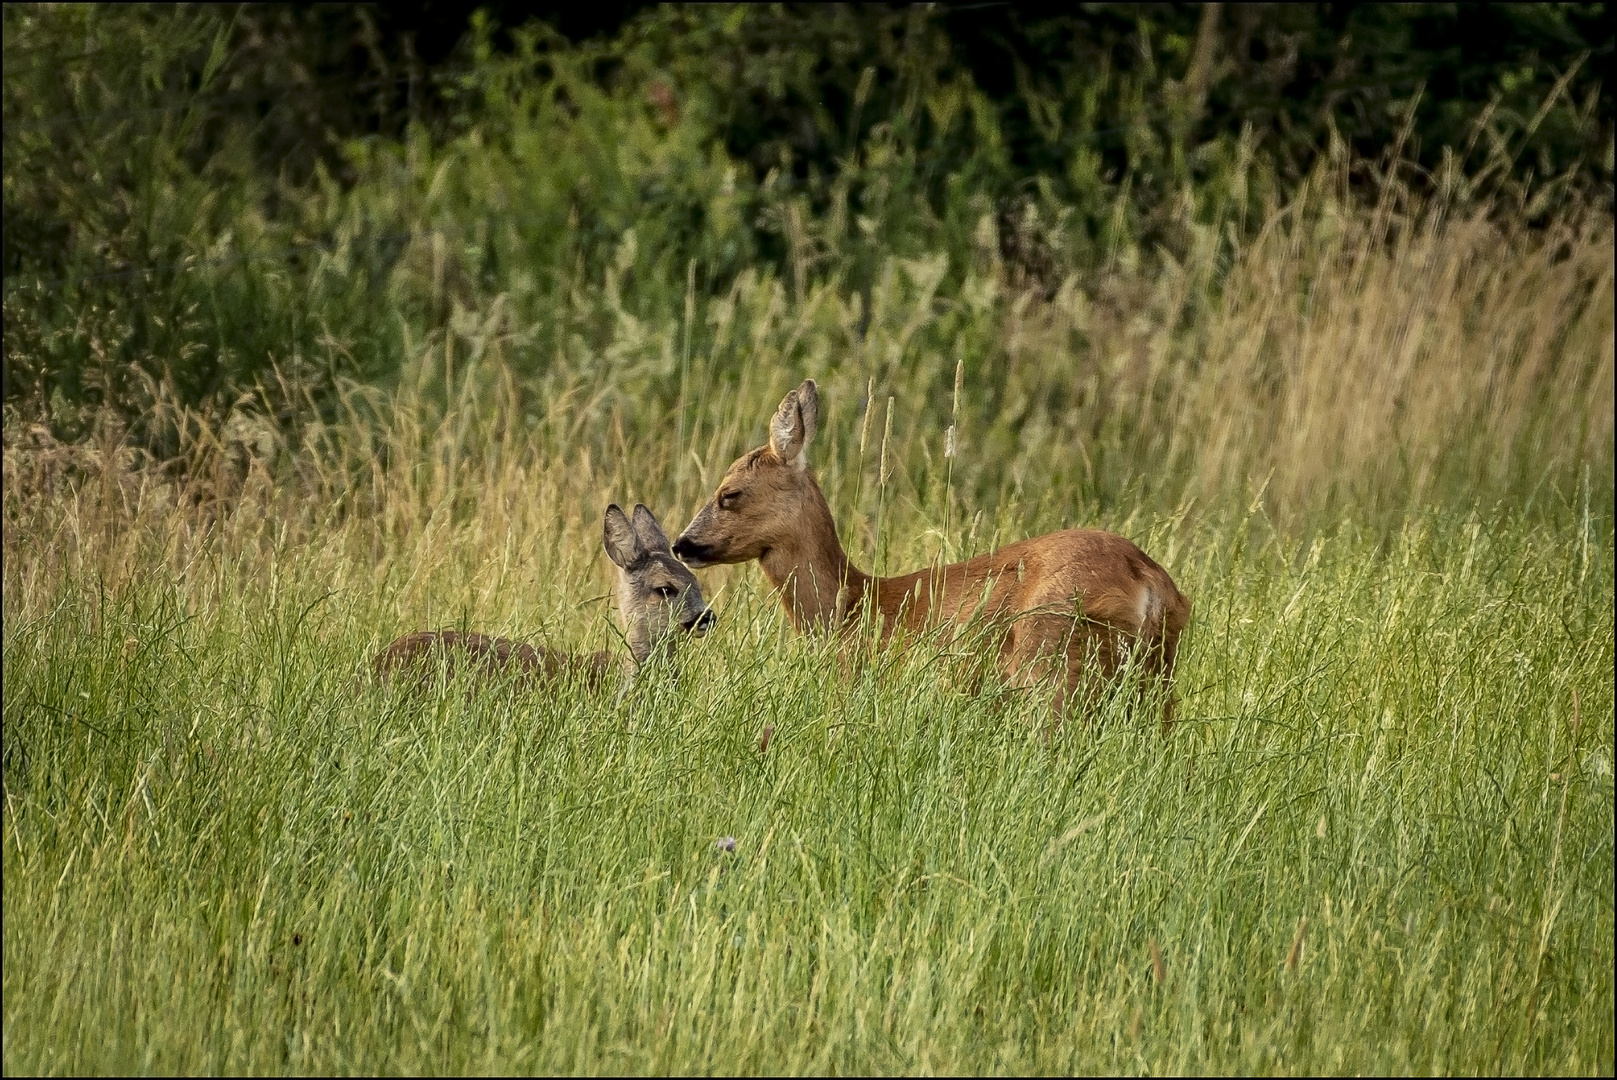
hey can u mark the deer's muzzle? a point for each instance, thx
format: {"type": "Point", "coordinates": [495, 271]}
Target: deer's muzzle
{"type": "Point", "coordinates": [691, 553]}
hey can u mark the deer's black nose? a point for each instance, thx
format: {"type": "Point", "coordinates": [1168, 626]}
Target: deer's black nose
{"type": "Point", "coordinates": [684, 549]}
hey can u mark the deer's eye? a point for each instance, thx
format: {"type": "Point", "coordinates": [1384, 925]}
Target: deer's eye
{"type": "Point", "coordinates": [728, 500]}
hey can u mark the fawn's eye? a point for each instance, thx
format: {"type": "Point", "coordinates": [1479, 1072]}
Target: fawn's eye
{"type": "Point", "coordinates": [667, 592]}
{"type": "Point", "coordinates": [728, 500]}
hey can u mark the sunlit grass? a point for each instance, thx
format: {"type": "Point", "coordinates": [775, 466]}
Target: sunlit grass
{"type": "Point", "coordinates": [1377, 458]}
{"type": "Point", "coordinates": [1381, 838]}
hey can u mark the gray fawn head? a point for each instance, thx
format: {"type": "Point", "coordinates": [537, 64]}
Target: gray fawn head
{"type": "Point", "coordinates": [656, 593]}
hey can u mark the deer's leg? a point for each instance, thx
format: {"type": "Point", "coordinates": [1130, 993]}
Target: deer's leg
{"type": "Point", "coordinates": [1038, 653]}
{"type": "Point", "coordinates": [1167, 654]}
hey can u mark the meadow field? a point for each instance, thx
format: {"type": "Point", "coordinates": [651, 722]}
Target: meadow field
{"type": "Point", "coordinates": [258, 424]}
{"type": "Point", "coordinates": [1380, 839]}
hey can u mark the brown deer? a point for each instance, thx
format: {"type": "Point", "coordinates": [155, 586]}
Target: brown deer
{"type": "Point", "coordinates": [656, 596]}
{"type": "Point", "coordinates": [1074, 604]}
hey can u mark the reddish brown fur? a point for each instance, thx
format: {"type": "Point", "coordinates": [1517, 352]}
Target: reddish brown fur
{"type": "Point", "coordinates": [1073, 603]}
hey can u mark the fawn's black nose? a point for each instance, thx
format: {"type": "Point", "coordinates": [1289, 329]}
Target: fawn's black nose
{"type": "Point", "coordinates": [703, 622]}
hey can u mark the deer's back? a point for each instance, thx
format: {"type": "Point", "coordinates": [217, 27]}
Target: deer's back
{"type": "Point", "coordinates": [424, 651]}
{"type": "Point", "coordinates": [1107, 575]}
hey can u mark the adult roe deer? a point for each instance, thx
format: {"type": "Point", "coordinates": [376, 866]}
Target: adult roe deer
{"type": "Point", "coordinates": [1074, 603]}
{"type": "Point", "coordinates": [656, 596]}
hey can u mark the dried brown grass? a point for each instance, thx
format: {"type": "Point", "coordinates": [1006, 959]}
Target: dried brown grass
{"type": "Point", "coordinates": [1358, 362]}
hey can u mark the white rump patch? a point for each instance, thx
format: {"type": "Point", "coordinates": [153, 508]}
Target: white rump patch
{"type": "Point", "coordinates": [1150, 609]}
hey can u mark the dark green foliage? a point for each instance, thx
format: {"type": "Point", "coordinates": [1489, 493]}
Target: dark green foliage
{"type": "Point", "coordinates": [201, 200]}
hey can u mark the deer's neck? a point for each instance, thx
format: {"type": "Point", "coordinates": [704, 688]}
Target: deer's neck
{"type": "Point", "coordinates": [816, 581]}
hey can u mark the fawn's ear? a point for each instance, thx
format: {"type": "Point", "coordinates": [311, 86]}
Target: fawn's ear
{"type": "Point", "coordinates": [794, 424]}
{"type": "Point", "coordinates": [619, 538]}
{"type": "Point", "coordinates": [647, 533]}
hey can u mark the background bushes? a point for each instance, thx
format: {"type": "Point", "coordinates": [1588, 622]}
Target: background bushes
{"type": "Point", "coordinates": [203, 196]}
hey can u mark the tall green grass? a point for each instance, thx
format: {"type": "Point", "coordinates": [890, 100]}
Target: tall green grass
{"type": "Point", "coordinates": [1372, 439]}
{"type": "Point", "coordinates": [1381, 840]}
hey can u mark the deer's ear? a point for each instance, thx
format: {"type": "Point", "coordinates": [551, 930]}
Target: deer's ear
{"type": "Point", "coordinates": [808, 403]}
{"type": "Point", "coordinates": [792, 429]}
{"type": "Point", "coordinates": [618, 537]}
{"type": "Point", "coordinates": [648, 533]}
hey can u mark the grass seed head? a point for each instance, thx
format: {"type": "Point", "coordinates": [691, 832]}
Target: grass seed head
{"type": "Point", "coordinates": [1297, 944]}
{"type": "Point", "coordinates": [886, 437]}
{"type": "Point", "coordinates": [864, 424]}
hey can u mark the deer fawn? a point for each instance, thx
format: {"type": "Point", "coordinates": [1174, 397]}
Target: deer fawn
{"type": "Point", "coordinates": [1074, 603]}
{"type": "Point", "coordinates": [656, 595]}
